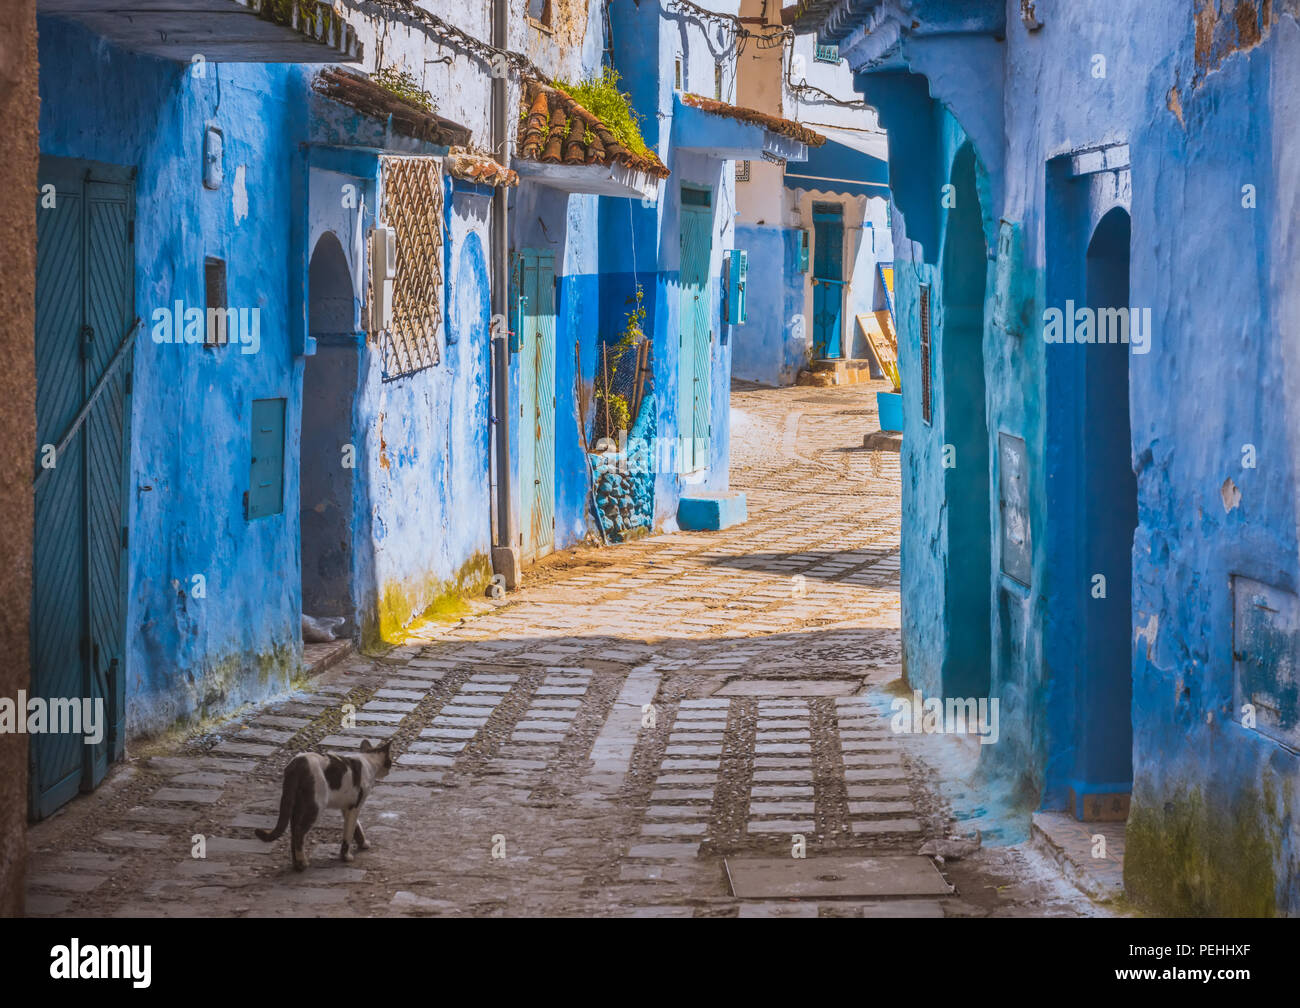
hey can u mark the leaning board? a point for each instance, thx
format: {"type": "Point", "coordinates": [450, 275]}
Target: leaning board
{"type": "Point", "coordinates": [878, 340]}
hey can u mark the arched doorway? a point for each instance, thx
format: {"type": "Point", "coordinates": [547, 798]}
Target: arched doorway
{"type": "Point", "coordinates": [967, 578]}
{"type": "Point", "coordinates": [1104, 743]}
{"type": "Point", "coordinates": [329, 450]}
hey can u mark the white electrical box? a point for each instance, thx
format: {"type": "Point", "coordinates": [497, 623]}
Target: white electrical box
{"type": "Point", "coordinates": [383, 270]}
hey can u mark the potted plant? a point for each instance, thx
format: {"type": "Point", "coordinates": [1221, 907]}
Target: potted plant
{"type": "Point", "coordinates": [890, 404]}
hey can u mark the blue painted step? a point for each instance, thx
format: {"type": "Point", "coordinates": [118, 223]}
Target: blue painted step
{"type": "Point", "coordinates": [711, 512]}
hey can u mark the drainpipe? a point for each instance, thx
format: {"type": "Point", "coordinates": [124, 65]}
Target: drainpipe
{"type": "Point", "coordinates": [505, 554]}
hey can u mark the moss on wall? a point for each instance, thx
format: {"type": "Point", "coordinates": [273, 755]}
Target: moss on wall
{"type": "Point", "coordinates": [402, 604]}
{"type": "Point", "coordinates": [1189, 859]}
{"type": "Point", "coordinates": [199, 698]}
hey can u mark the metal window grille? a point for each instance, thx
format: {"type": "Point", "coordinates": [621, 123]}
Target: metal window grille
{"type": "Point", "coordinates": [413, 208]}
{"type": "Point", "coordinates": [827, 54]}
{"type": "Point", "coordinates": [926, 414]}
{"type": "Point", "coordinates": [742, 171]}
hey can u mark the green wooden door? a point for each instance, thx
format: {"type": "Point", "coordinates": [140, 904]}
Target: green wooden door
{"type": "Point", "coordinates": [537, 403]}
{"type": "Point", "coordinates": [84, 305]}
{"type": "Point", "coordinates": [695, 341]}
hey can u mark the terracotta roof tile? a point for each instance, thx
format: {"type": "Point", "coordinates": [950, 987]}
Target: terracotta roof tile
{"type": "Point", "coordinates": [776, 124]}
{"type": "Point", "coordinates": [557, 130]}
{"type": "Point", "coordinates": [466, 164]}
{"type": "Point", "coordinates": [375, 101]}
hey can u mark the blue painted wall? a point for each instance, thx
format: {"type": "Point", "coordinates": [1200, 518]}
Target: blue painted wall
{"type": "Point", "coordinates": [646, 40]}
{"type": "Point", "coordinates": [190, 426]}
{"type": "Point", "coordinates": [770, 347]}
{"type": "Point", "coordinates": [421, 513]}
{"type": "Point", "coordinates": [1199, 99]}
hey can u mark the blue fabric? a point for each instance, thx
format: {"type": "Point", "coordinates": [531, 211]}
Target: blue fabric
{"type": "Point", "coordinates": [834, 167]}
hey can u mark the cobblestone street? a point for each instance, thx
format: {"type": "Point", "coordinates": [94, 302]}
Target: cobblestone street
{"type": "Point", "coordinates": [617, 728]}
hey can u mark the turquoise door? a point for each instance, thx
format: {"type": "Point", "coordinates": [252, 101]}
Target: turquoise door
{"type": "Point", "coordinates": [84, 309]}
{"type": "Point", "coordinates": [695, 341]}
{"type": "Point", "coordinates": [536, 403]}
{"type": "Point", "coordinates": [828, 280]}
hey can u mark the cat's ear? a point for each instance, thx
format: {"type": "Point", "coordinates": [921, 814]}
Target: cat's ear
{"type": "Point", "coordinates": [366, 746]}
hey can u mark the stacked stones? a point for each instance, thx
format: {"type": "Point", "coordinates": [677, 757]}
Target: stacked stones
{"type": "Point", "coordinates": [625, 480]}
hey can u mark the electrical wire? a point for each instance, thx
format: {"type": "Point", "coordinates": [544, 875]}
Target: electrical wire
{"type": "Point", "coordinates": [769, 37]}
{"type": "Point", "coordinates": [449, 34]}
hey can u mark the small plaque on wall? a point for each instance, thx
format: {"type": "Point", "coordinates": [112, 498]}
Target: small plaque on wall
{"type": "Point", "coordinates": [1265, 642]}
{"type": "Point", "coordinates": [1009, 309]}
{"type": "Point", "coordinates": [1013, 508]}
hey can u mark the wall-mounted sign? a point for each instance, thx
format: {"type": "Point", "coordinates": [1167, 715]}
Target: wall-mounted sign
{"type": "Point", "coordinates": [1013, 509]}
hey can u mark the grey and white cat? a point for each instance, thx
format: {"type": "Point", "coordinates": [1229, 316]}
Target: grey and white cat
{"type": "Point", "coordinates": [313, 781]}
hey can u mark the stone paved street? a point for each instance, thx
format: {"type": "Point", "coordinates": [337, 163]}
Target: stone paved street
{"type": "Point", "coordinates": [617, 728]}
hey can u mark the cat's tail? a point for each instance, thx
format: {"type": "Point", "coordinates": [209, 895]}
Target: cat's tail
{"type": "Point", "coordinates": [287, 801]}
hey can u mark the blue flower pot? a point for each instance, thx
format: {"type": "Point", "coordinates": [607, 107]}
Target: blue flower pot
{"type": "Point", "coordinates": [890, 406]}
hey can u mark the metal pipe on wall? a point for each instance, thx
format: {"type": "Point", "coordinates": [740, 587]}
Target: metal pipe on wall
{"type": "Point", "coordinates": [504, 555]}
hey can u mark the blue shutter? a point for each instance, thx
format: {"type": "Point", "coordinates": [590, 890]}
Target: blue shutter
{"type": "Point", "coordinates": [59, 557]}
{"type": "Point", "coordinates": [544, 443]}
{"type": "Point", "coordinates": [528, 307]}
{"type": "Point", "coordinates": [266, 464]}
{"type": "Point", "coordinates": [84, 303]}
{"type": "Point", "coordinates": [537, 403]}
{"type": "Point", "coordinates": [695, 372]}
{"type": "Point", "coordinates": [109, 301]}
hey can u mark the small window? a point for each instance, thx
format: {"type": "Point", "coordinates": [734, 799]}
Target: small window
{"type": "Point", "coordinates": [742, 171]}
{"type": "Point", "coordinates": [266, 460]}
{"type": "Point", "coordinates": [539, 12]}
{"type": "Point", "coordinates": [678, 75]}
{"type": "Point", "coordinates": [827, 54]}
{"type": "Point", "coordinates": [215, 303]}
{"type": "Point", "coordinates": [696, 197]}
{"type": "Point", "coordinates": [925, 353]}
{"type": "Point", "coordinates": [717, 81]}
{"type": "Point", "coordinates": [803, 250]}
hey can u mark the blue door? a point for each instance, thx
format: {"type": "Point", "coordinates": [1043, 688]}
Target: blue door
{"type": "Point", "coordinates": [695, 340]}
{"type": "Point", "coordinates": [84, 310]}
{"type": "Point", "coordinates": [536, 403]}
{"type": "Point", "coordinates": [828, 280]}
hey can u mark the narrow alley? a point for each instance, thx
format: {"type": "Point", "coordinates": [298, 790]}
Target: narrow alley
{"type": "Point", "coordinates": [601, 459]}
{"type": "Point", "coordinates": [618, 733]}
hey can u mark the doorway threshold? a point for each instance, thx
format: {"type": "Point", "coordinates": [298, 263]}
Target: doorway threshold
{"type": "Point", "coordinates": [1091, 854]}
{"type": "Point", "coordinates": [316, 658]}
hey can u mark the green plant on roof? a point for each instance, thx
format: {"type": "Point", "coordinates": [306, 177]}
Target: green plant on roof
{"type": "Point", "coordinates": [403, 85]}
{"type": "Point", "coordinates": [602, 98]}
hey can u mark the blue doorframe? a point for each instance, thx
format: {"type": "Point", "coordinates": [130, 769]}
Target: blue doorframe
{"type": "Point", "coordinates": [1091, 511]}
{"type": "Point", "coordinates": [968, 573]}
{"type": "Point", "coordinates": [828, 281]}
